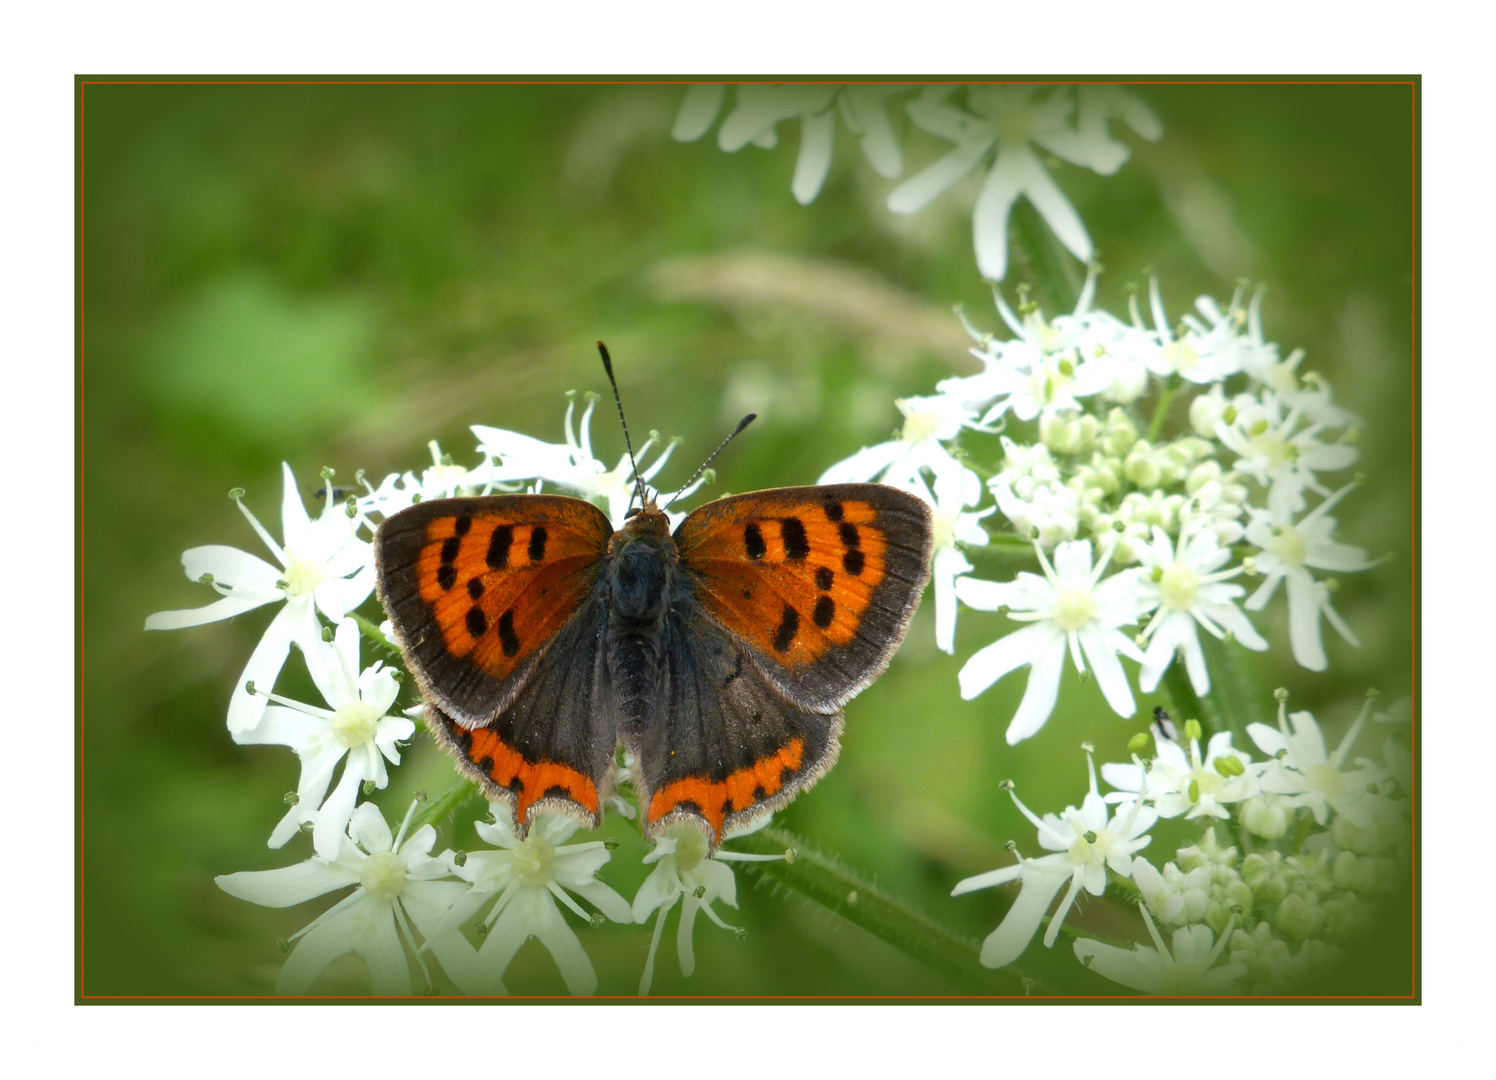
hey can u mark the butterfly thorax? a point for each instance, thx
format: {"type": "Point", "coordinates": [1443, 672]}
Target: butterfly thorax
{"type": "Point", "coordinates": [641, 572]}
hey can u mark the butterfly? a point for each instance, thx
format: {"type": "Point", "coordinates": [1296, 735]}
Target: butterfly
{"type": "Point", "coordinates": [719, 655]}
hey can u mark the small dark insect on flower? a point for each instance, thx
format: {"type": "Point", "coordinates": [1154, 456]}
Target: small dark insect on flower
{"type": "Point", "coordinates": [1165, 724]}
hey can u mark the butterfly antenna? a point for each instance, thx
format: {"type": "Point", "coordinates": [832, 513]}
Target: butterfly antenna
{"type": "Point", "coordinates": [735, 433]}
{"type": "Point", "coordinates": [638, 480]}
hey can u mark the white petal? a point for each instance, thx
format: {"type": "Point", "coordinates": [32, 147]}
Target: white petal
{"type": "Point", "coordinates": [225, 608]}
{"type": "Point", "coordinates": [563, 945]}
{"type": "Point", "coordinates": [333, 818]}
{"type": "Point", "coordinates": [1041, 693]}
{"type": "Point", "coordinates": [698, 112]}
{"type": "Point", "coordinates": [317, 948]}
{"type": "Point", "coordinates": [657, 889]}
{"type": "Point", "coordinates": [605, 900]}
{"type": "Point", "coordinates": [1303, 623]}
{"type": "Point", "coordinates": [990, 218]}
{"type": "Point", "coordinates": [1109, 674]}
{"type": "Point", "coordinates": [232, 568]}
{"type": "Point", "coordinates": [863, 465]}
{"type": "Point", "coordinates": [683, 945]}
{"type": "Point", "coordinates": [992, 662]}
{"type": "Point", "coordinates": [1054, 208]}
{"type": "Point", "coordinates": [923, 188]}
{"type": "Point", "coordinates": [296, 527]}
{"type": "Point", "coordinates": [265, 663]}
{"type": "Point", "coordinates": [1007, 942]}
{"type": "Point", "coordinates": [285, 886]}
{"type": "Point", "coordinates": [817, 134]}
{"type": "Point", "coordinates": [383, 951]}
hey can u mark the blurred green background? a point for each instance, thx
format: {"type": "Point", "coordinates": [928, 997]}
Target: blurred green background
{"type": "Point", "coordinates": [334, 275]}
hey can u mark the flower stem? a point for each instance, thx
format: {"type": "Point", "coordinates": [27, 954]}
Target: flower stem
{"type": "Point", "coordinates": [1166, 398]}
{"type": "Point", "coordinates": [825, 880]}
{"type": "Point", "coordinates": [444, 805]}
{"type": "Point", "coordinates": [375, 635]}
{"type": "Point", "coordinates": [1052, 268]}
{"type": "Point", "coordinates": [1225, 707]}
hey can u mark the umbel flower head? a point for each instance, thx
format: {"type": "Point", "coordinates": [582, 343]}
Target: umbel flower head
{"type": "Point", "coordinates": [1086, 843]}
{"type": "Point", "coordinates": [399, 892]}
{"type": "Point", "coordinates": [526, 879]}
{"type": "Point", "coordinates": [324, 566]}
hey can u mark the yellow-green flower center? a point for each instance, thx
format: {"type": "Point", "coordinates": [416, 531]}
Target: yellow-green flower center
{"type": "Point", "coordinates": [383, 875]}
{"type": "Point", "coordinates": [1084, 851]}
{"type": "Point", "coordinates": [1289, 546]}
{"type": "Point", "coordinates": [919, 424]}
{"type": "Point", "coordinates": [1180, 356]}
{"type": "Point", "coordinates": [1179, 587]}
{"type": "Point", "coordinates": [303, 575]}
{"type": "Point", "coordinates": [1325, 779]}
{"type": "Point", "coordinates": [1074, 607]}
{"type": "Point", "coordinates": [354, 724]}
{"type": "Point", "coordinates": [690, 847]}
{"type": "Point", "coordinates": [534, 861]}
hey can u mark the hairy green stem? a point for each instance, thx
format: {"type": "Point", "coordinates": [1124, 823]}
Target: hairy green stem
{"type": "Point", "coordinates": [442, 807]}
{"type": "Point", "coordinates": [825, 880]}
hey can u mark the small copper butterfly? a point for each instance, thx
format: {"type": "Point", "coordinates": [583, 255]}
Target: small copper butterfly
{"type": "Point", "coordinates": [719, 655]}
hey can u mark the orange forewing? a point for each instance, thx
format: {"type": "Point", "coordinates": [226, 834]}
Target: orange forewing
{"type": "Point", "coordinates": [792, 577]}
{"type": "Point", "coordinates": [512, 582]}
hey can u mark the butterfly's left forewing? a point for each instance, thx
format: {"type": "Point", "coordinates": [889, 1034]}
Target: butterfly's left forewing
{"type": "Point", "coordinates": [493, 603]}
{"type": "Point", "coordinates": [477, 589]}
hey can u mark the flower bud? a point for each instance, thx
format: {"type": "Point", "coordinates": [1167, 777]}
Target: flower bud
{"type": "Point", "coordinates": [1297, 917]}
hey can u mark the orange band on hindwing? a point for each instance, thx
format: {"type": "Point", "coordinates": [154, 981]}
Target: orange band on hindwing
{"type": "Point", "coordinates": [536, 780]}
{"type": "Point", "coordinates": [740, 791]}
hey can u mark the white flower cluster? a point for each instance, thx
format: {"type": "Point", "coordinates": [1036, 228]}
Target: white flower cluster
{"type": "Point", "coordinates": [1094, 485]}
{"type": "Point", "coordinates": [406, 902]}
{"type": "Point", "coordinates": [1327, 838]}
{"type": "Point", "coordinates": [998, 132]}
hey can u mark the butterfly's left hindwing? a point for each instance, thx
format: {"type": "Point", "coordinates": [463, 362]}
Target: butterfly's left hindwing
{"type": "Point", "coordinates": [819, 582]}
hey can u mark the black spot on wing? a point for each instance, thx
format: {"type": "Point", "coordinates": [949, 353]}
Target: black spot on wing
{"type": "Point", "coordinates": [477, 622]}
{"type": "Point", "coordinates": [824, 578]}
{"type": "Point", "coordinates": [825, 611]}
{"type": "Point", "coordinates": [833, 510]}
{"type": "Point", "coordinates": [853, 562]}
{"type": "Point", "coordinates": [796, 543]}
{"type": "Point", "coordinates": [537, 543]}
{"type": "Point", "coordinates": [789, 626]}
{"type": "Point", "coordinates": [507, 640]}
{"type": "Point", "coordinates": [753, 542]}
{"type": "Point", "coordinates": [462, 525]}
{"type": "Point", "coordinates": [849, 535]}
{"type": "Point", "coordinates": [475, 588]}
{"type": "Point", "coordinates": [446, 576]}
{"type": "Point", "coordinates": [449, 548]}
{"type": "Point", "coordinates": [498, 547]}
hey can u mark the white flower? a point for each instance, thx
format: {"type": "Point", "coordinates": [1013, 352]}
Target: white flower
{"type": "Point", "coordinates": [1069, 606]}
{"type": "Point", "coordinates": [324, 566]}
{"type": "Point", "coordinates": [1309, 393]}
{"type": "Point", "coordinates": [1086, 843]}
{"type": "Point", "coordinates": [1200, 354]}
{"type": "Point", "coordinates": [1288, 551]}
{"type": "Point", "coordinates": [687, 870]}
{"type": "Point", "coordinates": [443, 480]}
{"type": "Point", "coordinates": [1177, 783]}
{"type": "Point", "coordinates": [1262, 434]}
{"type": "Point", "coordinates": [1184, 581]}
{"type": "Point", "coordinates": [1011, 118]}
{"type": "Point", "coordinates": [1047, 367]}
{"type": "Point", "coordinates": [1307, 775]}
{"type": "Point", "coordinates": [398, 887]}
{"type": "Point", "coordinates": [571, 466]}
{"type": "Point", "coordinates": [1049, 514]}
{"type": "Point", "coordinates": [355, 725]}
{"type": "Point", "coordinates": [928, 422]}
{"type": "Point", "coordinates": [956, 488]}
{"type": "Point", "coordinates": [1189, 970]}
{"type": "Point", "coordinates": [760, 107]}
{"type": "Point", "coordinates": [529, 876]}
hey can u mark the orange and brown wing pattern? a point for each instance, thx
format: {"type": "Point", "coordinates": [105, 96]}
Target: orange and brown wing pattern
{"type": "Point", "coordinates": [477, 587]}
{"type": "Point", "coordinates": [819, 581]}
